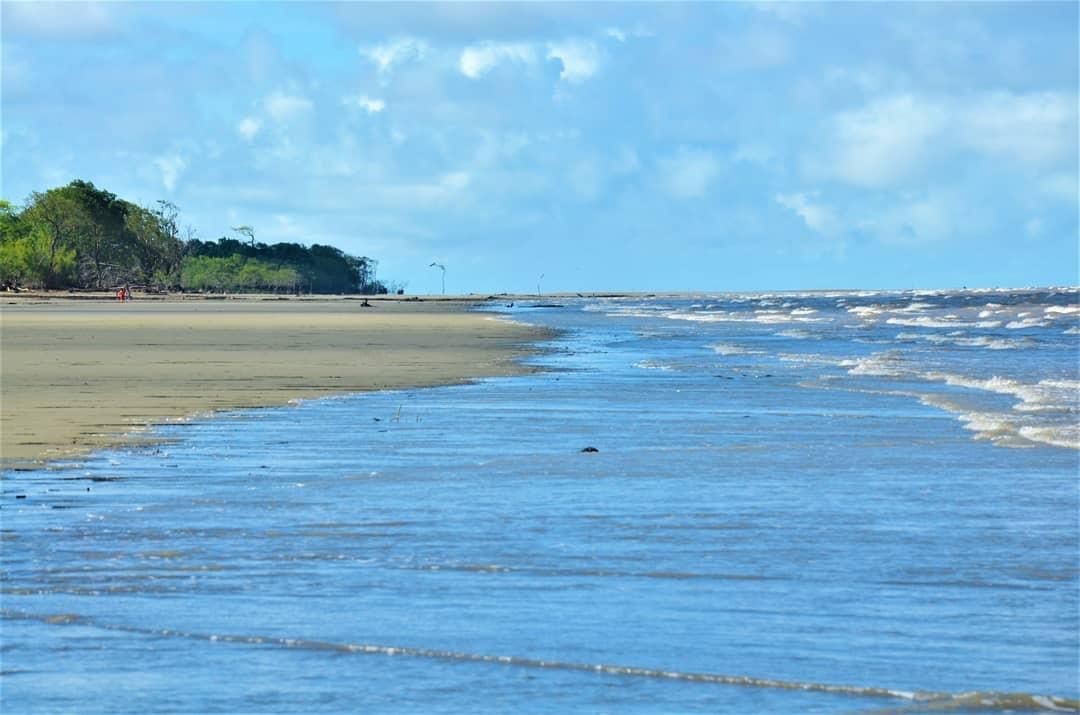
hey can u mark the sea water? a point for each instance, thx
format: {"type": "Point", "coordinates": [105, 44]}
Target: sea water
{"type": "Point", "coordinates": [822, 502]}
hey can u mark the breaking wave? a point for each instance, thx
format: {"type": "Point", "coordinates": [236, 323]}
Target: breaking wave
{"type": "Point", "coordinates": [925, 699]}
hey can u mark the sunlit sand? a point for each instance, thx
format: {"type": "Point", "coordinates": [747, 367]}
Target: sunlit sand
{"type": "Point", "coordinates": [77, 375]}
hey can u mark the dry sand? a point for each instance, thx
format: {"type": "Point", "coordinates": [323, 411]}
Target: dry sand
{"type": "Point", "coordinates": [75, 375]}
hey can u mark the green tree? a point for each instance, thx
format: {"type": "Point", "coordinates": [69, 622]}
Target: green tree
{"type": "Point", "coordinates": [57, 223]}
{"type": "Point", "coordinates": [33, 261]}
{"type": "Point", "coordinates": [156, 241]}
{"type": "Point", "coordinates": [105, 248]}
{"type": "Point", "coordinates": [80, 235]}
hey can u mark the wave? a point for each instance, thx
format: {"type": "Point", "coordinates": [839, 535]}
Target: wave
{"type": "Point", "coordinates": [915, 307]}
{"type": "Point", "coordinates": [987, 700]}
{"type": "Point", "coordinates": [867, 311]}
{"type": "Point", "coordinates": [763, 317]}
{"type": "Point", "coordinates": [653, 365]}
{"type": "Point", "coordinates": [982, 341]}
{"type": "Point", "coordinates": [1045, 412]}
{"type": "Point", "coordinates": [729, 349]}
{"type": "Point", "coordinates": [887, 364]}
{"type": "Point", "coordinates": [1043, 396]}
{"type": "Point", "coordinates": [1026, 323]}
{"type": "Point", "coordinates": [1047, 397]}
{"type": "Point", "coordinates": [947, 321]}
{"type": "Point", "coordinates": [795, 333]}
{"type": "Point", "coordinates": [992, 426]}
{"type": "Point", "coordinates": [809, 359]}
{"type": "Point", "coordinates": [1067, 436]}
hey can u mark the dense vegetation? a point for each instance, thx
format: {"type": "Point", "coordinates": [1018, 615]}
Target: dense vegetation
{"type": "Point", "coordinates": [80, 236]}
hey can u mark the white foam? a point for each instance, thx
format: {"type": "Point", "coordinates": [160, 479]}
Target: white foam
{"type": "Point", "coordinates": [1026, 323]}
{"type": "Point", "coordinates": [796, 333]}
{"type": "Point", "coordinates": [866, 311]}
{"type": "Point", "coordinates": [925, 321]}
{"type": "Point", "coordinates": [809, 359]}
{"type": "Point", "coordinates": [995, 427]}
{"type": "Point", "coordinates": [763, 317]}
{"type": "Point", "coordinates": [914, 307]}
{"type": "Point", "coordinates": [1044, 396]}
{"type": "Point", "coordinates": [729, 349]}
{"type": "Point", "coordinates": [994, 343]}
{"type": "Point", "coordinates": [1063, 309]}
{"type": "Point", "coordinates": [981, 341]}
{"type": "Point", "coordinates": [887, 364]}
{"type": "Point", "coordinates": [631, 313]}
{"type": "Point", "coordinates": [1067, 436]}
{"type": "Point", "coordinates": [653, 365]}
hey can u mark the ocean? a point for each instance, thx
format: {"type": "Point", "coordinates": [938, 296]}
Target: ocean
{"type": "Point", "coordinates": [834, 502]}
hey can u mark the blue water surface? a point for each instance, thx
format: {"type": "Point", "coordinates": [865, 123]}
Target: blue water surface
{"type": "Point", "coordinates": [799, 503]}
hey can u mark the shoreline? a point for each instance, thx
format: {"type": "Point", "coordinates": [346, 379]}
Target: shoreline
{"type": "Point", "coordinates": [88, 373]}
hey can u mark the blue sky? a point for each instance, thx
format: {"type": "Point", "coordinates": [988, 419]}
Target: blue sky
{"type": "Point", "coordinates": [726, 146]}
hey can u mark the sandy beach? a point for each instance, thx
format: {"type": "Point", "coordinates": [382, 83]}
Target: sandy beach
{"type": "Point", "coordinates": [82, 374]}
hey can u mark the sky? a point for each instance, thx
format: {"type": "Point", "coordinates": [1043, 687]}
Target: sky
{"type": "Point", "coordinates": [575, 146]}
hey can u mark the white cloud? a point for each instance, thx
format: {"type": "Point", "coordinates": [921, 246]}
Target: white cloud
{"type": "Point", "coordinates": [478, 60]}
{"type": "Point", "coordinates": [920, 219]}
{"type": "Point", "coordinates": [394, 52]}
{"type": "Point", "coordinates": [170, 168]}
{"type": "Point", "coordinates": [248, 127]}
{"type": "Point", "coordinates": [455, 180]}
{"type": "Point", "coordinates": [621, 34]}
{"type": "Point", "coordinates": [688, 174]}
{"type": "Point", "coordinates": [580, 59]}
{"type": "Point", "coordinates": [616, 33]}
{"type": "Point", "coordinates": [1064, 186]}
{"type": "Point", "coordinates": [754, 153]}
{"type": "Point", "coordinates": [1036, 128]}
{"type": "Point", "coordinates": [58, 19]}
{"type": "Point", "coordinates": [364, 102]}
{"type": "Point", "coordinates": [884, 141]}
{"type": "Point", "coordinates": [753, 49]}
{"type": "Point", "coordinates": [285, 228]}
{"type": "Point", "coordinates": [283, 107]}
{"type": "Point", "coordinates": [425, 194]}
{"type": "Point", "coordinates": [816, 216]}
{"type": "Point", "coordinates": [894, 138]}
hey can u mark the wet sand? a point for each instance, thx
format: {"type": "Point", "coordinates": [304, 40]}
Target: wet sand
{"type": "Point", "coordinates": [81, 374]}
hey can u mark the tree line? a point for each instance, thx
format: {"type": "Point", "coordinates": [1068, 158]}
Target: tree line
{"type": "Point", "coordinates": [79, 236]}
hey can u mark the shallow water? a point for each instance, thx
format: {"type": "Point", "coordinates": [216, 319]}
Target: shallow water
{"type": "Point", "coordinates": [800, 503]}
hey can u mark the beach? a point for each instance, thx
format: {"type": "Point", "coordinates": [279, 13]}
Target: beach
{"type": "Point", "coordinates": [82, 374]}
{"type": "Point", "coordinates": [826, 502]}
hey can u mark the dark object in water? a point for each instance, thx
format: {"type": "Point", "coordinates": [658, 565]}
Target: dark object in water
{"type": "Point", "coordinates": [590, 449]}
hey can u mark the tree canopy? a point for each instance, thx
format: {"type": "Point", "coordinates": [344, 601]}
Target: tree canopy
{"type": "Point", "coordinates": [80, 236]}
